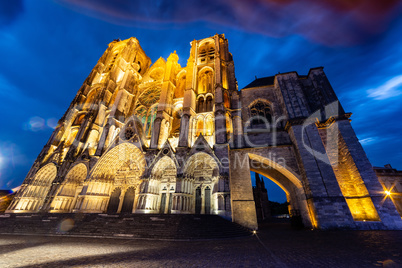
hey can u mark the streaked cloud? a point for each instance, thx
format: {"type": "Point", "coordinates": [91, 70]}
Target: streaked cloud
{"type": "Point", "coordinates": [47, 51]}
{"type": "Point", "coordinates": [391, 88]}
{"type": "Point", "coordinates": [370, 140]}
{"type": "Point", "coordinates": [331, 22]}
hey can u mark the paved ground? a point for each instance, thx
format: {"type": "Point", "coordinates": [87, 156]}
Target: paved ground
{"type": "Point", "coordinates": [274, 246]}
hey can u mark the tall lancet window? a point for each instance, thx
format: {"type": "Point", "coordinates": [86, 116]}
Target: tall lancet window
{"type": "Point", "coordinates": [206, 52]}
{"type": "Point", "coordinates": [205, 81]}
{"type": "Point", "coordinates": [209, 104]}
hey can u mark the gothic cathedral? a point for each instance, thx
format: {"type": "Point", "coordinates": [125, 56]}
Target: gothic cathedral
{"type": "Point", "coordinates": [161, 138]}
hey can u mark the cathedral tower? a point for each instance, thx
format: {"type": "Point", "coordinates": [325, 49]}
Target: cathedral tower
{"type": "Point", "coordinates": [162, 138]}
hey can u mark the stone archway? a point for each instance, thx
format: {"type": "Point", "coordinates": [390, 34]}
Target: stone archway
{"type": "Point", "coordinates": [207, 200]}
{"type": "Point", "coordinates": [288, 182]}
{"type": "Point", "coordinates": [122, 168]}
{"type": "Point", "coordinates": [114, 201]}
{"type": "Point", "coordinates": [160, 190]}
{"type": "Point", "coordinates": [202, 173]}
{"type": "Point", "coordinates": [241, 193]}
{"type": "Point", "coordinates": [31, 198]}
{"type": "Point", "coordinates": [198, 200]}
{"type": "Point", "coordinates": [128, 201]}
{"type": "Point", "coordinates": [67, 194]}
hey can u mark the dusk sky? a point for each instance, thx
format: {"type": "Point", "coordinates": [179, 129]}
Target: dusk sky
{"type": "Point", "coordinates": [48, 48]}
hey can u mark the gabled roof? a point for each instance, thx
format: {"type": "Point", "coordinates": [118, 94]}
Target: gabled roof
{"type": "Point", "coordinates": [264, 81]}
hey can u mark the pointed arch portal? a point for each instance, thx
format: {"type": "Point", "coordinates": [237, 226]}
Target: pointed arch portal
{"type": "Point", "coordinates": [243, 205]}
{"type": "Point", "coordinates": [67, 195]}
{"type": "Point", "coordinates": [32, 197]}
{"type": "Point", "coordinates": [161, 186]}
{"type": "Point", "coordinates": [114, 201]}
{"type": "Point", "coordinates": [111, 184]}
{"type": "Point", "coordinates": [202, 170]}
{"type": "Point", "coordinates": [287, 181]}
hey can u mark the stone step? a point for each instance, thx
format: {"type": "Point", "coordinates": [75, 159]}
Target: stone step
{"type": "Point", "coordinates": [125, 225]}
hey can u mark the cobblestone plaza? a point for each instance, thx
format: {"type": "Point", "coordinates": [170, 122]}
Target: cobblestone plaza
{"type": "Point", "coordinates": [160, 138]}
{"type": "Point", "coordinates": [277, 247]}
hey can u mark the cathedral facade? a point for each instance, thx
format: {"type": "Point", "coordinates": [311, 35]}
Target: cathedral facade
{"type": "Point", "coordinates": [161, 138]}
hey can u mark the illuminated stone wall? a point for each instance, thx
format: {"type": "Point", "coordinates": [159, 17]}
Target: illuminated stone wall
{"type": "Point", "coordinates": [116, 149]}
{"type": "Point", "coordinates": [142, 137]}
{"type": "Point", "coordinates": [349, 179]}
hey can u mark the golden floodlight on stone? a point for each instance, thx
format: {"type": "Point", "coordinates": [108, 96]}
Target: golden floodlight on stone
{"type": "Point", "coordinates": [169, 139]}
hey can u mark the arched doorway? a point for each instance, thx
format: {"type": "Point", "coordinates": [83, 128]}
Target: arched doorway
{"type": "Point", "coordinates": [162, 186]}
{"type": "Point", "coordinates": [114, 201]}
{"type": "Point", "coordinates": [207, 200]}
{"type": "Point", "coordinates": [67, 194]}
{"type": "Point", "coordinates": [198, 202]}
{"type": "Point", "coordinates": [201, 175]}
{"type": "Point", "coordinates": [288, 182]}
{"type": "Point", "coordinates": [122, 168]}
{"type": "Point", "coordinates": [163, 204]}
{"type": "Point", "coordinates": [128, 201]}
{"type": "Point", "coordinates": [31, 198]}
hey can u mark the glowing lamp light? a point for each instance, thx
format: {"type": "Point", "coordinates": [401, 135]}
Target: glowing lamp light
{"type": "Point", "coordinates": [254, 231]}
{"type": "Point", "coordinates": [388, 193]}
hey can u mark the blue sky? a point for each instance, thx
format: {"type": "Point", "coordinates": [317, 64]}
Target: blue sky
{"type": "Point", "coordinates": [48, 48]}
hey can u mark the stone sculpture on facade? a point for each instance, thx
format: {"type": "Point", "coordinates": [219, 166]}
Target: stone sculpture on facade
{"type": "Point", "coordinates": [161, 138]}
